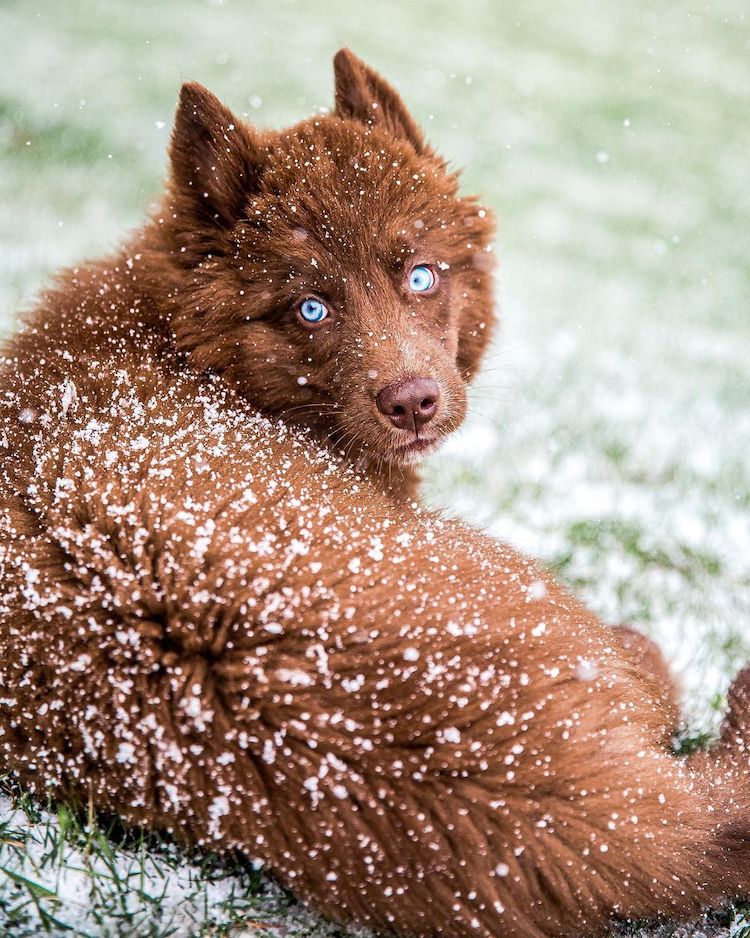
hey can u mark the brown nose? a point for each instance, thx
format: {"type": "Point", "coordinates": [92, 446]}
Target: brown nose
{"type": "Point", "coordinates": [409, 404]}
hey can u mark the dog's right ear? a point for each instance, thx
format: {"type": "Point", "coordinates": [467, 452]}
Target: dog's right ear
{"type": "Point", "coordinates": [215, 159]}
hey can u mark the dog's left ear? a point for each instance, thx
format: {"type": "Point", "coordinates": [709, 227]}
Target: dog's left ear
{"type": "Point", "coordinates": [362, 95]}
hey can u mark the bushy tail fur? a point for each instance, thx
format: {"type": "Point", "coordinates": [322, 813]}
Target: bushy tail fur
{"type": "Point", "coordinates": [725, 768]}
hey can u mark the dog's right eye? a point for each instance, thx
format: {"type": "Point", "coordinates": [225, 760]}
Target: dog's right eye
{"type": "Point", "coordinates": [311, 311]}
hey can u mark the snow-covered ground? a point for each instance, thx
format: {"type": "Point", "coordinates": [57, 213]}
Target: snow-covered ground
{"type": "Point", "coordinates": [58, 874]}
{"type": "Point", "coordinates": [610, 432]}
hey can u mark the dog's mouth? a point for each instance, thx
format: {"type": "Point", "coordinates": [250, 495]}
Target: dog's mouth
{"type": "Point", "coordinates": [414, 450]}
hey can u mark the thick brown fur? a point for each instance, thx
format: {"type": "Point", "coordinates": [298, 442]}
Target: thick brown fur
{"type": "Point", "coordinates": [211, 623]}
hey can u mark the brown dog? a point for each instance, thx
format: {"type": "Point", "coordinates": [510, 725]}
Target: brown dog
{"type": "Point", "coordinates": [211, 625]}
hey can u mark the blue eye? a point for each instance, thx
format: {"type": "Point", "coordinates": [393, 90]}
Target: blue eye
{"type": "Point", "coordinates": [312, 310]}
{"type": "Point", "coordinates": [421, 279]}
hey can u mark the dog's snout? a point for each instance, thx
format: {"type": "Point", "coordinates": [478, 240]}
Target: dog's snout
{"type": "Point", "coordinates": [409, 404]}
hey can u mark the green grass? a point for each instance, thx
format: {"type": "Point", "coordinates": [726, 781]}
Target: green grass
{"type": "Point", "coordinates": [64, 871]}
{"type": "Point", "coordinates": [610, 432]}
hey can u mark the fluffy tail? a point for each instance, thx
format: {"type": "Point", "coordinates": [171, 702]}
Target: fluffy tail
{"type": "Point", "coordinates": [722, 772]}
{"type": "Point", "coordinates": [726, 768]}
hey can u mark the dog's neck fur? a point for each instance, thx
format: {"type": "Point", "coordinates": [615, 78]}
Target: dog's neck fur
{"type": "Point", "coordinates": [400, 481]}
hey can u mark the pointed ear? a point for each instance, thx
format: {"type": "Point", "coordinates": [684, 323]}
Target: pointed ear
{"type": "Point", "coordinates": [362, 95]}
{"type": "Point", "coordinates": [215, 159]}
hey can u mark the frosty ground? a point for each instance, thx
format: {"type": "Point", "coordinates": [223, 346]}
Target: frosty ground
{"type": "Point", "coordinates": [610, 432]}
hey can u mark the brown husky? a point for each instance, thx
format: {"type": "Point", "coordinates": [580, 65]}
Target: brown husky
{"type": "Point", "coordinates": [217, 624]}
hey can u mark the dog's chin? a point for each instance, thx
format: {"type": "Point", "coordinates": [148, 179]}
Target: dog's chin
{"type": "Point", "coordinates": [411, 453]}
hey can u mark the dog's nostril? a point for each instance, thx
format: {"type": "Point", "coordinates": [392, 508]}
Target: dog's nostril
{"type": "Point", "coordinates": [409, 404]}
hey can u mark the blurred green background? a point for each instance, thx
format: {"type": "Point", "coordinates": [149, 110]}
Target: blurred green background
{"type": "Point", "coordinates": [610, 432]}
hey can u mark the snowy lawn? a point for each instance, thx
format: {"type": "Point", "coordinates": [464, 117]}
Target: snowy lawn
{"type": "Point", "coordinates": [610, 432]}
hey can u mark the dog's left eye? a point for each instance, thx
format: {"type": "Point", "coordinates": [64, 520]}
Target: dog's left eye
{"type": "Point", "coordinates": [421, 279]}
{"type": "Point", "coordinates": [312, 311]}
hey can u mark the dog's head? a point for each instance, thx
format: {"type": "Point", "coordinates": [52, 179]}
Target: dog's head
{"type": "Point", "coordinates": [330, 272]}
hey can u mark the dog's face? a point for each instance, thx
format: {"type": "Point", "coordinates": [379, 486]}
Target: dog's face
{"type": "Point", "coordinates": [330, 272]}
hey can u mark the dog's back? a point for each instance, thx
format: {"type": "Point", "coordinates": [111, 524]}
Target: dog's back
{"type": "Point", "coordinates": [212, 627]}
